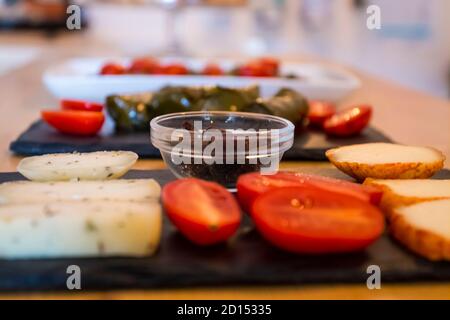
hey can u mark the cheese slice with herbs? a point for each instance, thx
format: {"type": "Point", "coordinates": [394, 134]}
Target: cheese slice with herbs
{"type": "Point", "coordinates": [99, 165]}
{"type": "Point", "coordinates": [90, 228]}
{"type": "Point", "coordinates": [123, 190]}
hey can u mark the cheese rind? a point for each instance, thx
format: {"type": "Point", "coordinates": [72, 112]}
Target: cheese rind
{"type": "Point", "coordinates": [424, 228]}
{"type": "Point", "coordinates": [99, 165]}
{"type": "Point", "coordinates": [386, 161]}
{"type": "Point", "coordinates": [397, 193]}
{"type": "Point", "coordinates": [124, 190]}
{"type": "Point", "coordinates": [80, 229]}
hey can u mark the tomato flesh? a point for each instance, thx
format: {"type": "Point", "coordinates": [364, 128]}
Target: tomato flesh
{"type": "Point", "coordinates": [174, 69]}
{"type": "Point", "coordinates": [263, 67]}
{"type": "Point", "coordinates": [83, 123]}
{"type": "Point", "coordinates": [144, 66]}
{"type": "Point", "coordinates": [212, 69]}
{"type": "Point", "coordinates": [348, 122]}
{"type": "Point", "coordinates": [112, 69]}
{"type": "Point", "coordinates": [319, 112]}
{"type": "Point", "coordinates": [204, 212]}
{"type": "Point", "coordinates": [310, 220]}
{"type": "Point", "coordinates": [80, 105]}
{"type": "Point", "coordinates": [251, 185]}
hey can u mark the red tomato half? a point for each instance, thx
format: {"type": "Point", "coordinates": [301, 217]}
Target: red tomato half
{"type": "Point", "coordinates": [251, 185]}
{"type": "Point", "coordinates": [310, 220]}
{"type": "Point", "coordinates": [174, 69]}
{"type": "Point", "coordinates": [212, 69]}
{"type": "Point", "coordinates": [112, 69]}
{"type": "Point", "coordinates": [272, 63]}
{"type": "Point", "coordinates": [348, 122]}
{"type": "Point", "coordinates": [205, 212]}
{"type": "Point", "coordinates": [319, 112]}
{"type": "Point", "coordinates": [83, 123]}
{"type": "Point", "coordinates": [80, 105]}
{"type": "Point", "coordinates": [144, 66]}
{"type": "Point", "coordinates": [255, 69]}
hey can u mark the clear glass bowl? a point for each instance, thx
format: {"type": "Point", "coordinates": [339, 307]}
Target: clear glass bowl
{"type": "Point", "coordinates": [219, 145]}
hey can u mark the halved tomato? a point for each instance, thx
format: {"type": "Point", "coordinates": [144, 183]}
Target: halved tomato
{"type": "Point", "coordinates": [112, 69]}
{"type": "Point", "coordinates": [320, 111]}
{"type": "Point", "coordinates": [83, 123]}
{"type": "Point", "coordinates": [313, 221]}
{"type": "Point", "coordinates": [174, 69]}
{"type": "Point", "coordinates": [80, 105]}
{"type": "Point", "coordinates": [255, 69]}
{"type": "Point", "coordinates": [144, 66]}
{"type": "Point", "coordinates": [348, 122]}
{"type": "Point", "coordinates": [205, 212]}
{"type": "Point", "coordinates": [251, 185]}
{"type": "Point", "coordinates": [212, 69]}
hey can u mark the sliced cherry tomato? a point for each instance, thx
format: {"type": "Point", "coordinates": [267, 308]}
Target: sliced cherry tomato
{"type": "Point", "coordinates": [80, 105]}
{"type": "Point", "coordinates": [205, 212]}
{"type": "Point", "coordinates": [255, 69]}
{"type": "Point", "coordinates": [251, 185]}
{"type": "Point", "coordinates": [272, 63]}
{"type": "Point", "coordinates": [112, 69]}
{"type": "Point", "coordinates": [310, 220]}
{"type": "Point", "coordinates": [320, 111]}
{"type": "Point", "coordinates": [83, 123]}
{"type": "Point", "coordinates": [348, 122]}
{"type": "Point", "coordinates": [174, 69]}
{"type": "Point", "coordinates": [144, 66]}
{"type": "Point", "coordinates": [212, 69]}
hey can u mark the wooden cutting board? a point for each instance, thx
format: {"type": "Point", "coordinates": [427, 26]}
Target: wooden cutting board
{"type": "Point", "coordinates": [39, 138]}
{"type": "Point", "coordinates": [246, 259]}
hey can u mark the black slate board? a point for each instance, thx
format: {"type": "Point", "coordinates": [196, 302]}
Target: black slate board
{"type": "Point", "coordinates": [248, 259]}
{"type": "Point", "coordinates": [39, 138]}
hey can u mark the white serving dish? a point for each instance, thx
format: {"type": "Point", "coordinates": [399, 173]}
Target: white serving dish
{"type": "Point", "coordinates": [79, 79]}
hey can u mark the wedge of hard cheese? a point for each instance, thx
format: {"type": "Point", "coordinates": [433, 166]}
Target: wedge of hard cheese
{"type": "Point", "coordinates": [123, 190]}
{"type": "Point", "coordinates": [79, 229]}
{"type": "Point", "coordinates": [397, 193]}
{"type": "Point", "coordinates": [424, 228]}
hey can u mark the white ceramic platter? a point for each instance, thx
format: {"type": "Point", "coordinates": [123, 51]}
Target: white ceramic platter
{"type": "Point", "coordinates": [79, 79]}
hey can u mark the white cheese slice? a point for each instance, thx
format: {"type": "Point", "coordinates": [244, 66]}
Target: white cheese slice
{"type": "Point", "coordinates": [124, 190]}
{"type": "Point", "coordinates": [99, 165]}
{"type": "Point", "coordinates": [418, 188]}
{"type": "Point", "coordinates": [79, 229]}
{"type": "Point", "coordinates": [382, 153]}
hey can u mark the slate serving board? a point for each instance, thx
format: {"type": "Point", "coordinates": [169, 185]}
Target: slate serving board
{"type": "Point", "coordinates": [246, 260]}
{"type": "Point", "coordinates": [39, 138]}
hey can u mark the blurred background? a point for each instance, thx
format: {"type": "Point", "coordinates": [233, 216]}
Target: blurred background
{"type": "Point", "coordinates": [412, 47]}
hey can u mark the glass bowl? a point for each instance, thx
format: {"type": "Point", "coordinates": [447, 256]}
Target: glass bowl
{"type": "Point", "coordinates": [219, 145]}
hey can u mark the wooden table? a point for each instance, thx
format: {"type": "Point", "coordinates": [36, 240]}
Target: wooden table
{"type": "Point", "coordinates": [405, 115]}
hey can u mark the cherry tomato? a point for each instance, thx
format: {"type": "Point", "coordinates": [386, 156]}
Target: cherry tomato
{"type": "Point", "coordinates": [251, 185]}
{"type": "Point", "coordinates": [144, 66]}
{"type": "Point", "coordinates": [212, 69]}
{"type": "Point", "coordinates": [313, 221]}
{"type": "Point", "coordinates": [83, 123]}
{"type": "Point", "coordinates": [174, 69]}
{"type": "Point", "coordinates": [255, 69]}
{"type": "Point", "coordinates": [272, 63]}
{"type": "Point", "coordinates": [80, 105]}
{"type": "Point", "coordinates": [319, 112]}
{"type": "Point", "coordinates": [348, 122]}
{"type": "Point", "coordinates": [205, 212]}
{"type": "Point", "coordinates": [112, 69]}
